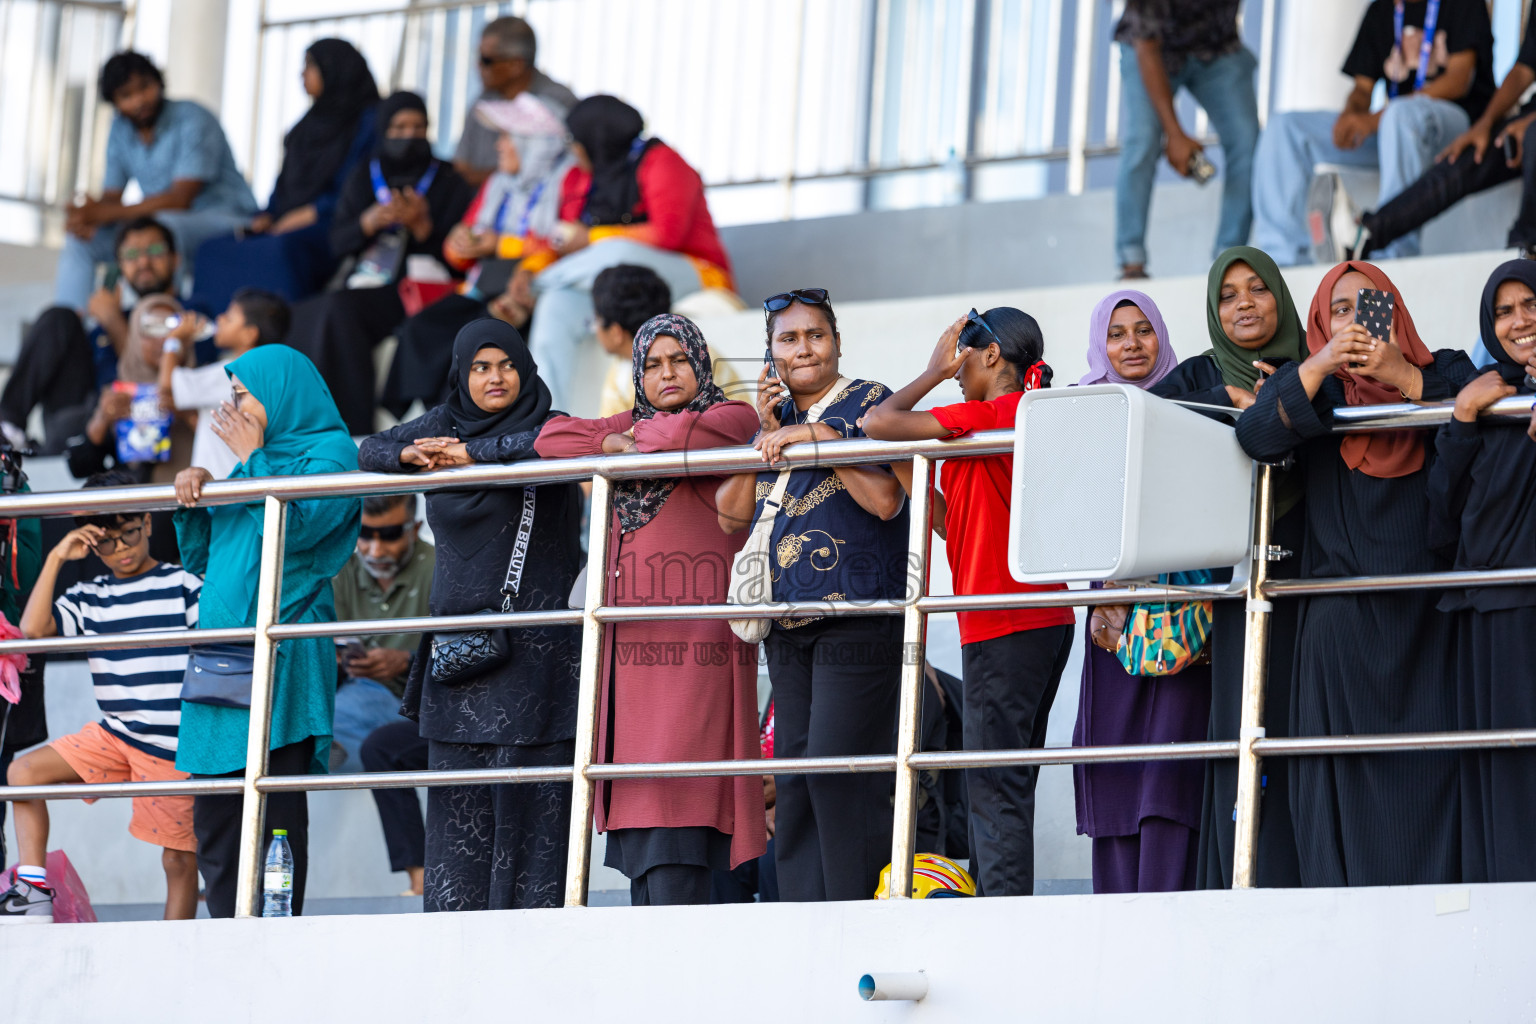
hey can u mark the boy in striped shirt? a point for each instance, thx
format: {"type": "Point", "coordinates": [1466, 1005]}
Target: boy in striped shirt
{"type": "Point", "coordinates": [138, 690]}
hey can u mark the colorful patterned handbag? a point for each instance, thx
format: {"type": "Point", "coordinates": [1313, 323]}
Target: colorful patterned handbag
{"type": "Point", "coordinates": [1162, 638]}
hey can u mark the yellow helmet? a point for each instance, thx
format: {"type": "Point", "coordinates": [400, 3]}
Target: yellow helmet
{"type": "Point", "coordinates": [932, 876]}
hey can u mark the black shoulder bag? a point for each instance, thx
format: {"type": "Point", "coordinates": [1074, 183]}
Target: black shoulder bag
{"type": "Point", "coordinates": [459, 658]}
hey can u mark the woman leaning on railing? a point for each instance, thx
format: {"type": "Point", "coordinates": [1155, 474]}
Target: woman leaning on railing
{"type": "Point", "coordinates": [1366, 663]}
{"type": "Point", "coordinates": [500, 698]}
{"type": "Point", "coordinates": [282, 423]}
{"type": "Point", "coordinates": [687, 692]}
{"type": "Point", "coordinates": [838, 535]}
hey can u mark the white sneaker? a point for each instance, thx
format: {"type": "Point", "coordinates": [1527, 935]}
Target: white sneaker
{"type": "Point", "coordinates": [25, 903]}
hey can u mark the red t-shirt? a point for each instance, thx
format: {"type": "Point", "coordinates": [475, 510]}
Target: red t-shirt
{"type": "Point", "coordinates": [977, 493]}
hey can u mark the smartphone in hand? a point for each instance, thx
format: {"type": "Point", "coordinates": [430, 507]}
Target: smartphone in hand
{"type": "Point", "coordinates": [773, 367]}
{"type": "Point", "coordinates": [1373, 311]}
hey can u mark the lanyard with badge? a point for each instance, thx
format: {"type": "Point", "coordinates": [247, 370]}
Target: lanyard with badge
{"type": "Point", "coordinates": [381, 190]}
{"type": "Point", "coordinates": [522, 223]}
{"type": "Point", "coordinates": [382, 262]}
{"type": "Point", "coordinates": [1426, 47]}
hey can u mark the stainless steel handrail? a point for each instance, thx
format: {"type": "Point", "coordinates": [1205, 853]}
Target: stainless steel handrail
{"type": "Point", "coordinates": [1359, 418]}
{"type": "Point", "coordinates": [906, 762]}
{"type": "Point", "coordinates": [711, 462]}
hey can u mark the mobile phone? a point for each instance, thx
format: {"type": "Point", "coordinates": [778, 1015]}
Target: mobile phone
{"type": "Point", "coordinates": [1200, 168]}
{"type": "Point", "coordinates": [1373, 311]}
{"type": "Point", "coordinates": [773, 367]}
{"type": "Point", "coordinates": [1510, 155]}
{"type": "Point", "coordinates": [352, 651]}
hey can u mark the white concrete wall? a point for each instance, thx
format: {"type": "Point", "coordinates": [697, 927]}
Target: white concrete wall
{"type": "Point", "coordinates": [1407, 954]}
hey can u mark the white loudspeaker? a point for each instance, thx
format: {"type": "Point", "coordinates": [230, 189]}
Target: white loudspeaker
{"type": "Point", "coordinates": [1110, 482]}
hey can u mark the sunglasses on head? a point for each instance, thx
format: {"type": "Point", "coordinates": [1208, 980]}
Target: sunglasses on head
{"type": "Point", "coordinates": [783, 300]}
{"type": "Point", "coordinates": [975, 318]}
{"type": "Point", "coordinates": [384, 533]}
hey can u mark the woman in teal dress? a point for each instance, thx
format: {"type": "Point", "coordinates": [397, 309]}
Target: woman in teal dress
{"type": "Point", "coordinates": [283, 422]}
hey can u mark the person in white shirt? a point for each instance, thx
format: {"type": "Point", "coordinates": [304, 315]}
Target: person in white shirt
{"type": "Point", "coordinates": [254, 317]}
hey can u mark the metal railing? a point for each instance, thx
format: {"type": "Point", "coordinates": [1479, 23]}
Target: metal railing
{"type": "Point", "coordinates": [1258, 592]}
{"type": "Point", "coordinates": [782, 92]}
{"type": "Point", "coordinates": [51, 52]}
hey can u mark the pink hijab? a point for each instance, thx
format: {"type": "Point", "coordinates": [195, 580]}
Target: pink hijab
{"type": "Point", "coordinates": [1100, 370]}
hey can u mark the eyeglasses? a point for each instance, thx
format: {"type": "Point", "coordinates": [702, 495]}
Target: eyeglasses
{"type": "Point", "coordinates": [486, 62]}
{"type": "Point", "coordinates": [127, 538]}
{"type": "Point", "coordinates": [383, 533]}
{"type": "Point", "coordinates": [156, 249]}
{"type": "Point", "coordinates": [783, 300]}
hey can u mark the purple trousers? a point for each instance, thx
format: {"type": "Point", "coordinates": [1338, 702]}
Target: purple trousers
{"type": "Point", "coordinates": [1158, 858]}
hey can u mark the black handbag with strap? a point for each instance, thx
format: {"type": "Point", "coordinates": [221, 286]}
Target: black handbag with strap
{"type": "Point", "coordinates": [462, 657]}
{"type": "Point", "coordinates": [219, 674]}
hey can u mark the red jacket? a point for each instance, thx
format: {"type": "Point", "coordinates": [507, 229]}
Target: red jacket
{"type": "Point", "coordinates": [672, 199]}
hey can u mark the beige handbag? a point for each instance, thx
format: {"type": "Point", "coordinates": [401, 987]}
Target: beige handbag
{"type": "Point", "coordinates": [752, 570]}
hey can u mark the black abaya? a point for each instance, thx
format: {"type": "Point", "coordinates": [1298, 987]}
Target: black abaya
{"type": "Point", "coordinates": [339, 330]}
{"type": "Point", "coordinates": [1198, 379]}
{"type": "Point", "coordinates": [496, 847]}
{"type": "Point", "coordinates": [1482, 495]}
{"type": "Point", "coordinates": [1366, 663]}
{"type": "Point", "coordinates": [1277, 865]}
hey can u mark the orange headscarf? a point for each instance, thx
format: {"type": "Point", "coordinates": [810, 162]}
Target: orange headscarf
{"type": "Point", "coordinates": [1384, 454]}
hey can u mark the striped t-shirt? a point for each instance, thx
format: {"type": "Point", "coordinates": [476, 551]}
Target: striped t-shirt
{"type": "Point", "coordinates": [138, 690]}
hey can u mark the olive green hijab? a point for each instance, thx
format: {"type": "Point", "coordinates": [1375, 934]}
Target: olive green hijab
{"type": "Point", "coordinates": [1290, 340]}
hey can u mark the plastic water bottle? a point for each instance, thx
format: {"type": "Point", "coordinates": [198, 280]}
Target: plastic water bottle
{"type": "Point", "coordinates": [952, 173]}
{"type": "Point", "coordinates": [277, 886]}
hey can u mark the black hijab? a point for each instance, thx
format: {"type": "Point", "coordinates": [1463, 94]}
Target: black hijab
{"type": "Point", "coordinates": [477, 516]}
{"type": "Point", "coordinates": [402, 161]}
{"type": "Point", "coordinates": [609, 130]}
{"type": "Point", "coordinates": [315, 148]}
{"type": "Point", "coordinates": [1523, 271]}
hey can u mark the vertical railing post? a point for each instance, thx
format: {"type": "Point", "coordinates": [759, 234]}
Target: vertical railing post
{"type": "Point", "coordinates": [256, 92]}
{"type": "Point", "coordinates": [1255, 663]}
{"type": "Point", "coordinates": [909, 728]}
{"type": "Point", "coordinates": [1081, 99]}
{"type": "Point", "coordinates": [254, 803]}
{"type": "Point", "coordinates": [576, 867]}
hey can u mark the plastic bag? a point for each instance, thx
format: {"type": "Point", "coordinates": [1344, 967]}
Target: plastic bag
{"type": "Point", "coordinates": [71, 903]}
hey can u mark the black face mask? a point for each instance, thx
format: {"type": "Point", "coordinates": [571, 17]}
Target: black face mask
{"type": "Point", "coordinates": [404, 157]}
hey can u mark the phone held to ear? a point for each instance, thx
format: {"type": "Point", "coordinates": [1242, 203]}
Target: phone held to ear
{"type": "Point", "coordinates": [773, 367]}
{"type": "Point", "coordinates": [1373, 311]}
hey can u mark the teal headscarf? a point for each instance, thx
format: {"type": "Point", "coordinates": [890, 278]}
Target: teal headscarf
{"type": "Point", "coordinates": [305, 434]}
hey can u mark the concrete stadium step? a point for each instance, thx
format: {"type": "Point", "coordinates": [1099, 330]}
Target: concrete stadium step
{"type": "Point", "coordinates": [890, 340]}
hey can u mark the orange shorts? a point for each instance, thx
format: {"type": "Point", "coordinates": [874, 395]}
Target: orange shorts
{"type": "Point", "coordinates": [97, 755]}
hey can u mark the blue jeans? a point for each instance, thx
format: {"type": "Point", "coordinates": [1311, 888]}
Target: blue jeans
{"type": "Point", "coordinates": [563, 309]}
{"type": "Point", "coordinates": [76, 277]}
{"type": "Point", "coordinates": [1412, 131]}
{"type": "Point", "coordinates": [362, 705]}
{"type": "Point", "coordinates": [1224, 87]}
